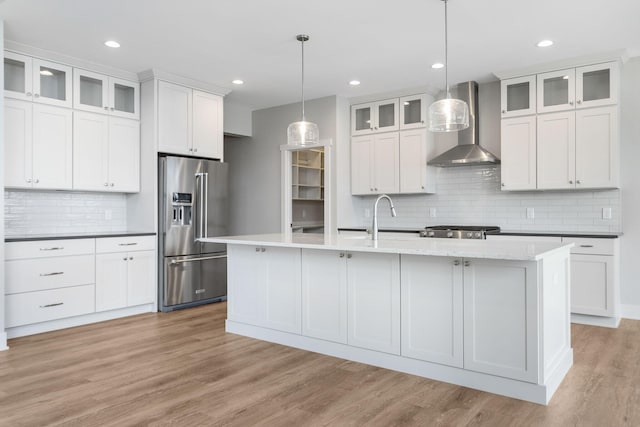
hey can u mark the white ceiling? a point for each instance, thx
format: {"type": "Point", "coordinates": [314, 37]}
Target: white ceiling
{"type": "Point", "coordinates": [388, 45]}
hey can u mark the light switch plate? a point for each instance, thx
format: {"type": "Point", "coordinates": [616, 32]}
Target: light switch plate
{"type": "Point", "coordinates": [530, 213]}
{"type": "Point", "coordinates": [108, 214]}
{"type": "Point", "coordinates": [606, 213]}
{"type": "Point", "coordinates": [367, 213]}
{"type": "Point", "coordinates": [432, 212]}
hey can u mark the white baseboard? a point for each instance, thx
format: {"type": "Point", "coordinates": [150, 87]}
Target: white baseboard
{"type": "Point", "coordinates": [69, 322]}
{"type": "Point", "coordinates": [3, 341]}
{"type": "Point", "coordinates": [630, 311]}
{"type": "Point", "coordinates": [606, 322]}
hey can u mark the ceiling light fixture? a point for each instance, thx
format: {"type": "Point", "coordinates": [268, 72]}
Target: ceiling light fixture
{"type": "Point", "coordinates": [437, 65]}
{"type": "Point", "coordinates": [112, 43]}
{"type": "Point", "coordinates": [449, 114]}
{"type": "Point", "coordinates": [303, 132]}
{"type": "Point", "coordinates": [354, 82]}
{"type": "Point", "coordinates": [46, 72]}
{"type": "Point", "coordinates": [237, 82]}
{"type": "Point", "coordinates": [545, 43]}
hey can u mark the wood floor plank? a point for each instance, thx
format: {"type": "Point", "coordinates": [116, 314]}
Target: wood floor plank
{"type": "Point", "coordinates": [182, 369]}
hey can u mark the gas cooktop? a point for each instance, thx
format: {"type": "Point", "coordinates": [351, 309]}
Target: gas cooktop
{"type": "Point", "coordinates": [458, 231]}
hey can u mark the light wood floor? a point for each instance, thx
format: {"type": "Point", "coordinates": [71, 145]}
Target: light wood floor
{"type": "Point", "coordinates": [182, 369]}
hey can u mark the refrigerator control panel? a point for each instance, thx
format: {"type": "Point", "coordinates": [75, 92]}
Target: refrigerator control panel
{"type": "Point", "coordinates": [181, 206]}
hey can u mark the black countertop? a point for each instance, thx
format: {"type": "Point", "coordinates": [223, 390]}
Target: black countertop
{"type": "Point", "coordinates": [88, 235]}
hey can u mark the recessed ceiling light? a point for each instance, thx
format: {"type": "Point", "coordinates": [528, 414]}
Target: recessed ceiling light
{"type": "Point", "coordinates": [354, 82]}
{"type": "Point", "coordinates": [565, 77]}
{"type": "Point", "coordinates": [112, 43]}
{"type": "Point", "coordinates": [46, 73]}
{"type": "Point", "coordinates": [437, 65]}
{"type": "Point", "coordinates": [238, 82]}
{"type": "Point", "coordinates": [545, 43]}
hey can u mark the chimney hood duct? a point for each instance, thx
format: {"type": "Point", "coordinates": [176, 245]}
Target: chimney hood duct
{"type": "Point", "coordinates": [468, 152]}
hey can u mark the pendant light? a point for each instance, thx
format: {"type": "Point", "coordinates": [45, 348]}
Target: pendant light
{"type": "Point", "coordinates": [449, 114]}
{"type": "Point", "coordinates": [303, 132]}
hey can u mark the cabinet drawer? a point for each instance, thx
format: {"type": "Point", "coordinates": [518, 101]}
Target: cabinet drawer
{"type": "Point", "coordinates": [27, 275]}
{"type": "Point", "coordinates": [125, 244]}
{"type": "Point", "coordinates": [49, 248]}
{"type": "Point", "coordinates": [591, 246]}
{"type": "Point", "coordinates": [41, 306]}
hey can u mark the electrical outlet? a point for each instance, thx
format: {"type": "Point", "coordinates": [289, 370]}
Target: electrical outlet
{"type": "Point", "coordinates": [367, 213]}
{"type": "Point", "coordinates": [432, 212]}
{"type": "Point", "coordinates": [530, 213]}
{"type": "Point", "coordinates": [108, 214]}
{"type": "Point", "coordinates": [304, 213]}
{"type": "Point", "coordinates": [606, 213]}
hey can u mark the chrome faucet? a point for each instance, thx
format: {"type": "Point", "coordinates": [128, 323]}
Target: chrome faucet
{"type": "Point", "coordinates": [374, 229]}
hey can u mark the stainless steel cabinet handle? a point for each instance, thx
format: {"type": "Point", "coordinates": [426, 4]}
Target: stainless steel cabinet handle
{"type": "Point", "coordinates": [106, 108]}
{"type": "Point", "coordinates": [341, 255]}
{"type": "Point", "coordinates": [29, 180]}
{"type": "Point", "coordinates": [570, 181]}
{"type": "Point", "coordinates": [579, 182]}
{"type": "Point", "coordinates": [202, 204]}
{"type": "Point", "coordinates": [586, 246]}
{"type": "Point", "coordinates": [180, 261]}
{"type": "Point", "coordinates": [55, 304]}
{"type": "Point", "coordinates": [263, 249]}
{"type": "Point", "coordinates": [579, 101]}
{"type": "Point", "coordinates": [28, 94]}
{"type": "Point", "coordinates": [56, 248]}
{"type": "Point", "coordinates": [37, 95]}
{"type": "Point", "coordinates": [349, 256]}
{"type": "Point", "coordinates": [36, 180]}
{"type": "Point", "coordinates": [456, 262]}
{"type": "Point", "coordinates": [127, 244]}
{"type": "Point", "coordinates": [55, 273]}
{"type": "Point", "coordinates": [467, 263]}
{"type": "Point", "coordinates": [106, 184]}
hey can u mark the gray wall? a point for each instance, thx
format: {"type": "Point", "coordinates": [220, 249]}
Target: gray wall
{"type": "Point", "coordinates": [237, 118]}
{"type": "Point", "coordinates": [630, 155]}
{"type": "Point", "coordinates": [255, 164]}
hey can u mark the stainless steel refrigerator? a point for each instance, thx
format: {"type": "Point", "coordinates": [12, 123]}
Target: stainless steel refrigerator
{"type": "Point", "coordinates": [193, 205]}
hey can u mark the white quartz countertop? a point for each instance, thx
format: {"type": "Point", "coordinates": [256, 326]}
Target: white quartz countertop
{"type": "Point", "coordinates": [464, 248]}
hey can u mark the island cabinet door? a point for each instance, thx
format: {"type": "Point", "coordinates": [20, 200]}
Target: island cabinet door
{"type": "Point", "coordinates": [501, 318]}
{"type": "Point", "coordinates": [281, 273]}
{"type": "Point", "coordinates": [373, 283]}
{"type": "Point", "coordinates": [431, 306]}
{"type": "Point", "coordinates": [324, 295]}
{"type": "Point", "coordinates": [245, 284]}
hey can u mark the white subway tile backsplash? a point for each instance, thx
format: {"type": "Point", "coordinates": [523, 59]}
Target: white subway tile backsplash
{"type": "Point", "coordinates": [471, 196]}
{"type": "Point", "coordinates": [46, 212]}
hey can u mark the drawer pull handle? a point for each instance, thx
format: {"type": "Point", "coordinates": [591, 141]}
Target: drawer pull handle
{"type": "Point", "coordinates": [55, 273]}
{"type": "Point", "coordinates": [57, 248]}
{"type": "Point", "coordinates": [55, 304]}
{"type": "Point", "coordinates": [127, 244]}
{"type": "Point", "coordinates": [586, 246]}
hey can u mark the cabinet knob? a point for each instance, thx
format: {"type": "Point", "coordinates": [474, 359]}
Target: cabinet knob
{"type": "Point", "coordinates": [376, 128]}
{"type": "Point", "coordinates": [130, 258]}
{"type": "Point", "coordinates": [112, 109]}
{"type": "Point", "coordinates": [263, 249]}
{"type": "Point", "coordinates": [422, 187]}
{"type": "Point", "coordinates": [570, 181]}
{"type": "Point", "coordinates": [376, 189]}
{"type": "Point", "coordinates": [456, 262]}
{"type": "Point", "coordinates": [467, 263]}
{"type": "Point", "coordinates": [36, 180]}
{"type": "Point", "coordinates": [502, 184]}
{"type": "Point", "coordinates": [37, 95]}
{"type": "Point", "coordinates": [371, 189]}
{"type": "Point", "coordinates": [124, 259]}
{"type": "Point", "coordinates": [106, 184]}
{"type": "Point", "coordinates": [195, 150]}
{"type": "Point", "coordinates": [28, 93]}
{"type": "Point", "coordinates": [570, 102]}
{"type": "Point", "coordinates": [578, 182]}
{"type": "Point", "coordinates": [112, 184]}
{"type": "Point", "coordinates": [422, 121]}
{"type": "Point", "coordinates": [579, 101]}
{"type": "Point", "coordinates": [29, 180]}
{"type": "Point", "coordinates": [349, 256]}
{"type": "Point", "coordinates": [106, 108]}
{"type": "Point", "coordinates": [257, 249]}
{"type": "Point", "coordinates": [341, 255]}
{"type": "Point", "coordinates": [504, 111]}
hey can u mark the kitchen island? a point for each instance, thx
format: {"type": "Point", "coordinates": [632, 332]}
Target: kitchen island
{"type": "Point", "coordinates": [484, 314]}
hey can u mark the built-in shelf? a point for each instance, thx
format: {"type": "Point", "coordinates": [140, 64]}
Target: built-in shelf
{"type": "Point", "coordinates": [307, 189]}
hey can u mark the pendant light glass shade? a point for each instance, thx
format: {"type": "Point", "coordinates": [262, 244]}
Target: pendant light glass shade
{"type": "Point", "coordinates": [303, 132]}
{"type": "Point", "coordinates": [449, 114]}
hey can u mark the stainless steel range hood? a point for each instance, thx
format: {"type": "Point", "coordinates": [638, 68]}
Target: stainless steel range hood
{"type": "Point", "coordinates": [468, 151]}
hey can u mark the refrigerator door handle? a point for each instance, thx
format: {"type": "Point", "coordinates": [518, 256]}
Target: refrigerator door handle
{"type": "Point", "coordinates": [203, 211]}
{"type": "Point", "coordinates": [180, 261]}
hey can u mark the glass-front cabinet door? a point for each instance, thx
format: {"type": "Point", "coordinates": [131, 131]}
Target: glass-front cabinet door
{"type": "Point", "coordinates": [91, 91]}
{"type": "Point", "coordinates": [556, 91]}
{"type": "Point", "coordinates": [51, 83]}
{"type": "Point", "coordinates": [413, 111]}
{"type": "Point", "coordinates": [362, 119]}
{"type": "Point", "coordinates": [123, 98]}
{"type": "Point", "coordinates": [387, 115]}
{"type": "Point", "coordinates": [17, 76]}
{"type": "Point", "coordinates": [518, 96]}
{"type": "Point", "coordinates": [597, 85]}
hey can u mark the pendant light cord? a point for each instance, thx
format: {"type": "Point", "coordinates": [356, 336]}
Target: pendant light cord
{"type": "Point", "coordinates": [302, 41]}
{"type": "Point", "coordinates": [446, 52]}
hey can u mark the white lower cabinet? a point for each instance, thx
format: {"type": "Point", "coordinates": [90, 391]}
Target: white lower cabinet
{"type": "Point", "coordinates": [324, 295]}
{"type": "Point", "coordinates": [501, 318]}
{"type": "Point", "coordinates": [264, 287]}
{"type": "Point", "coordinates": [373, 284]}
{"type": "Point", "coordinates": [125, 272]}
{"type": "Point", "coordinates": [431, 306]}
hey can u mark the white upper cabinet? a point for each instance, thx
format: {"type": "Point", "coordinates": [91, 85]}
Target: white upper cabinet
{"type": "Point", "coordinates": [380, 116]}
{"type": "Point", "coordinates": [375, 164]}
{"type": "Point", "coordinates": [556, 91]}
{"type": "Point", "coordinates": [597, 149]}
{"type": "Point", "coordinates": [413, 111]}
{"type": "Point", "coordinates": [518, 152]}
{"type": "Point", "coordinates": [597, 85]}
{"type": "Point", "coordinates": [99, 93]}
{"type": "Point", "coordinates": [37, 80]}
{"type": "Point", "coordinates": [556, 151]}
{"type": "Point", "coordinates": [190, 121]}
{"type": "Point", "coordinates": [415, 175]}
{"type": "Point", "coordinates": [518, 96]}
